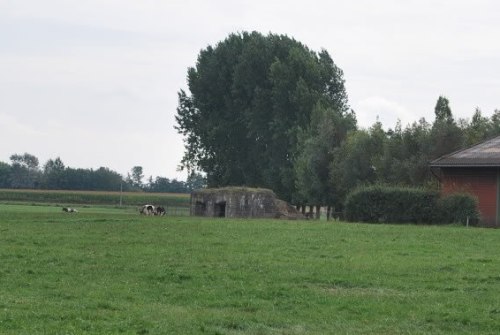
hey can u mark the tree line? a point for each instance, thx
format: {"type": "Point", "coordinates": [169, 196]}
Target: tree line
{"type": "Point", "coordinates": [25, 172]}
{"type": "Point", "coordinates": [399, 156]}
{"type": "Point", "coordinates": [266, 111]}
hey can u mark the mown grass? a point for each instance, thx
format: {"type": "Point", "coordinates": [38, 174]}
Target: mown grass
{"type": "Point", "coordinates": [103, 273]}
{"type": "Point", "coordinates": [94, 197]}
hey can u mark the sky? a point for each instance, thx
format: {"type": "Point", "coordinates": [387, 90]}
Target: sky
{"type": "Point", "coordinates": [95, 82]}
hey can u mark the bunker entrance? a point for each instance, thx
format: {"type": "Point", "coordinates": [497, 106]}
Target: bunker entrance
{"type": "Point", "coordinates": [220, 209]}
{"type": "Point", "coordinates": [200, 208]}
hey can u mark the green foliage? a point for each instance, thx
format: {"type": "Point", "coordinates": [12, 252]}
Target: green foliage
{"type": "Point", "coordinates": [112, 273]}
{"type": "Point", "coordinates": [355, 161]}
{"type": "Point", "coordinates": [405, 156]}
{"type": "Point", "coordinates": [196, 181]}
{"type": "Point", "coordinates": [54, 175]}
{"type": "Point", "coordinates": [457, 208]}
{"type": "Point", "coordinates": [250, 97]}
{"type": "Point", "coordinates": [316, 151]}
{"type": "Point", "coordinates": [136, 176]}
{"type": "Point", "coordinates": [162, 184]}
{"type": "Point", "coordinates": [445, 136]}
{"type": "Point", "coordinates": [4, 175]}
{"type": "Point", "coordinates": [480, 128]}
{"type": "Point", "coordinates": [388, 204]}
{"type": "Point", "coordinates": [442, 111]}
{"type": "Point", "coordinates": [24, 171]}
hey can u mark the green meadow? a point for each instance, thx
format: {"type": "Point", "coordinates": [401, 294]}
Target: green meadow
{"type": "Point", "coordinates": [111, 271]}
{"type": "Point", "coordinates": [93, 197]}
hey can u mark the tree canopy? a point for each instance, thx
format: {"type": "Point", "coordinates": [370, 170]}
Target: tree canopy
{"type": "Point", "coordinates": [250, 97]}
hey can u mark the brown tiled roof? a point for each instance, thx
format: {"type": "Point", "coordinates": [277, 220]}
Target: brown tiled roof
{"type": "Point", "coordinates": [483, 154]}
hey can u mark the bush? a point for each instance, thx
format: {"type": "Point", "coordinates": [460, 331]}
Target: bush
{"type": "Point", "coordinates": [390, 204]}
{"type": "Point", "coordinates": [456, 208]}
{"type": "Point", "coordinates": [387, 204]}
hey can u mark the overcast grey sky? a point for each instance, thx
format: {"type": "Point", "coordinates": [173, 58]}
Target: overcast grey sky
{"type": "Point", "coordinates": [95, 82]}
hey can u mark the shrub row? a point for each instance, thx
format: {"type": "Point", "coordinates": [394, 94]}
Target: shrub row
{"type": "Point", "coordinates": [387, 204]}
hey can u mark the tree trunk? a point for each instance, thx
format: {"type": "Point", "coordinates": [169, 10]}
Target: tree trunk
{"type": "Point", "coordinates": [318, 212]}
{"type": "Point", "coordinates": [328, 212]}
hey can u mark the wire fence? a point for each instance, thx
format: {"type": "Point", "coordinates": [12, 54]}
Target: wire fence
{"type": "Point", "coordinates": [177, 211]}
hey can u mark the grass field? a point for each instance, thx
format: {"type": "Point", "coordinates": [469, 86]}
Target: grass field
{"type": "Point", "coordinates": [99, 272]}
{"type": "Point", "coordinates": [94, 197]}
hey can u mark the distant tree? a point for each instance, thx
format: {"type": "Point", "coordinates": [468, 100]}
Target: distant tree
{"type": "Point", "coordinates": [136, 176]}
{"type": "Point", "coordinates": [24, 171]}
{"type": "Point", "coordinates": [195, 181]}
{"type": "Point", "coordinates": [78, 179]}
{"type": "Point", "coordinates": [162, 184]}
{"type": "Point", "coordinates": [390, 165]}
{"type": "Point", "coordinates": [446, 136]}
{"type": "Point", "coordinates": [54, 174]}
{"type": "Point", "coordinates": [177, 186]}
{"type": "Point", "coordinates": [495, 123]}
{"type": "Point", "coordinates": [250, 95]}
{"type": "Point", "coordinates": [5, 171]}
{"type": "Point", "coordinates": [149, 184]}
{"type": "Point", "coordinates": [104, 179]}
{"type": "Point", "coordinates": [26, 160]}
{"type": "Point", "coordinates": [442, 110]}
{"type": "Point", "coordinates": [478, 129]}
{"type": "Point", "coordinates": [419, 145]}
{"type": "Point", "coordinates": [406, 155]}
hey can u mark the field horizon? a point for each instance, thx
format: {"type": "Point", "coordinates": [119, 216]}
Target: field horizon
{"type": "Point", "coordinates": [112, 198]}
{"type": "Point", "coordinates": [98, 272]}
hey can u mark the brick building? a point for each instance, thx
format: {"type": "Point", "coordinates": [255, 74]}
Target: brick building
{"type": "Point", "coordinates": [475, 170]}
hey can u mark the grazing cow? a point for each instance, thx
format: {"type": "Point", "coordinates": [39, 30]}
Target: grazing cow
{"type": "Point", "coordinates": [69, 210]}
{"type": "Point", "coordinates": [148, 210]}
{"type": "Point", "coordinates": [160, 211]}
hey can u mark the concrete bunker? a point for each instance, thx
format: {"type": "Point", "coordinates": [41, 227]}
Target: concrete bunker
{"type": "Point", "coordinates": [220, 209]}
{"type": "Point", "coordinates": [240, 202]}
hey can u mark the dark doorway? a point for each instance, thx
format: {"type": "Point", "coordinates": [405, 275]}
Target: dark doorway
{"type": "Point", "coordinates": [220, 209]}
{"type": "Point", "coordinates": [200, 208]}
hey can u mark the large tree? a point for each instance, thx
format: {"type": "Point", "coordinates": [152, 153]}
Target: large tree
{"type": "Point", "coordinates": [250, 96]}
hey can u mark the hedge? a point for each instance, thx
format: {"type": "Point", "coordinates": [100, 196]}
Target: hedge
{"type": "Point", "coordinates": [388, 204]}
{"type": "Point", "coordinates": [458, 208]}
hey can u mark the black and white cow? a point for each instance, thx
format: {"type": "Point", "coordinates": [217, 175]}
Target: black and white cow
{"type": "Point", "coordinates": [69, 210]}
{"type": "Point", "coordinates": [160, 211]}
{"type": "Point", "coordinates": [148, 210]}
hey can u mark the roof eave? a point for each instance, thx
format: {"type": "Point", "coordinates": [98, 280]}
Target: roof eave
{"type": "Point", "coordinates": [465, 165]}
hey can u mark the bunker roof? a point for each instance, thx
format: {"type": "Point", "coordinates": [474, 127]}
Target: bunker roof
{"type": "Point", "coordinates": [234, 189]}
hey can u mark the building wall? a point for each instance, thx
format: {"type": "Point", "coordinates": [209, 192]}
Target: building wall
{"type": "Point", "coordinates": [481, 182]}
